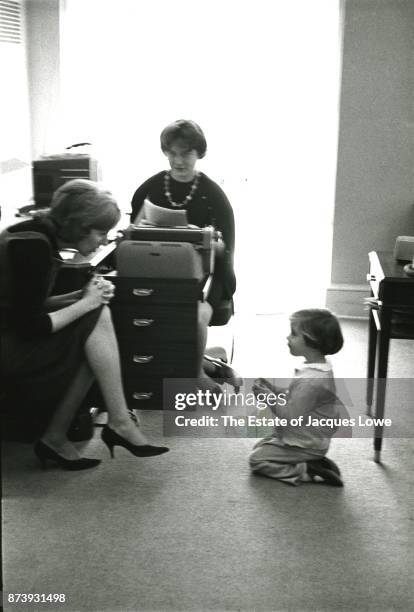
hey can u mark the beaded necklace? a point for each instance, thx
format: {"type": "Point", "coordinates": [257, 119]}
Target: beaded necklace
{"type": "Point", "coordinates": [187, 199]}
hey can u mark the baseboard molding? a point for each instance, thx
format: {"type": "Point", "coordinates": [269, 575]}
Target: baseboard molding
{"type": "Point", "coordinates": [347, 300]}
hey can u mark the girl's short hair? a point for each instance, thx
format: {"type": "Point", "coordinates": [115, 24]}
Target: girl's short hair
{"type": "Point", "coordinates": [81, 205]}
{"type": "Point", "coordinates": [320, 329]}
{"type": "Point", "coordinates": [187, 131]}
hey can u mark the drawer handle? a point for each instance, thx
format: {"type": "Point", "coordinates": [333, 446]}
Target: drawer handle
{"type": "Point", "coordinates": [142, 292]}
{"type": "Point", "coordinates": [142, 358]}
{"type": "Point", "coordinates": [74, 170]}
{"type": "Point", "coordinates": [143, 395]}
{"type": "Point", "coordinates": [142, 322]}
{"type": "Point", "coordinates": [371, 277]}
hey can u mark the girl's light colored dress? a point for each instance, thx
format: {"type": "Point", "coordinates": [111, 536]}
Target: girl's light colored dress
{"type": "Point", "coordinates": [311, 395]}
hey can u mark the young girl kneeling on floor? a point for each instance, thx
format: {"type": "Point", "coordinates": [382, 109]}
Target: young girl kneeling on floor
{"type": "Point", "coordinates": [296, 453]}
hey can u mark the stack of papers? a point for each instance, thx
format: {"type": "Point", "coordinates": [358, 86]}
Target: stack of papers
{"type": "Point", "coordinates": [164, 217]}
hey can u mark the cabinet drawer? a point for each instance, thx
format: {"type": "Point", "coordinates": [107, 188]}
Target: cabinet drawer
{"type": "Point", "coordinates": [155, 291]}
{"type": "Point", "coordinates": [155, 393]}
{"type": "Point", "coordinates": [143, 393]}
{"type": "Point", "coordinates": [155, 322]}
{"type": "Point", "coordinates": [157, 360]}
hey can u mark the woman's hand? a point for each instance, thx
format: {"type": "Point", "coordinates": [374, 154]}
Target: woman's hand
{"type": "Point", "coordinates": [108, 289]}
{"type": "Point", "coordinates": [261, 385]}
{"type": "Point", "coordinates": [96, 293]}
{"type": "Point", "coordinates": [99, 291]}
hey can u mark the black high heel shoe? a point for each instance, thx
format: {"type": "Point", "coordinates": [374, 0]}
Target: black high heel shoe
{"type": "Point", "coordinates": [44, 453]}
{"type": "Point", "coordinates": [111, 439]}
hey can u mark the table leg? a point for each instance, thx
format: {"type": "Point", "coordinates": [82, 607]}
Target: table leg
{"type": "Point", "coordinates": [383, 348]}
{"type": "Point", "coordinates": [372, 347]}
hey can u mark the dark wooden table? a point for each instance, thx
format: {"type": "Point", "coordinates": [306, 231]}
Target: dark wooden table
{"type": "Point", "coordinates": [394, 318]}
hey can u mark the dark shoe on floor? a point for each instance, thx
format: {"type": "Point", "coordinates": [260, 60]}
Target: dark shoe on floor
{"type": "Point", "coordinates": [44, 453]}
{"type": "Point", "coordinates": [111, 439]}
{"type": "Point", "coordinates": [330, 465]}
{"type": "Point", "coordinates": [318, 468]}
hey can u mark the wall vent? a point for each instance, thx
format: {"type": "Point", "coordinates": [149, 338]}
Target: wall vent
{"type": "Point", "coordinates": [10, 21]}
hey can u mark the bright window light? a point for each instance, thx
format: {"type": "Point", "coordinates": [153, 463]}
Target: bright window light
{"type": "Point", "coordinates": [262, 80]}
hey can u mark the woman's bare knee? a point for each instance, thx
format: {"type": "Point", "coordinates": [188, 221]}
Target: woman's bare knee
{"type": "Point", "coordinates": [103, 331]}
{"type": "Point", "coordinates": [105, 317]}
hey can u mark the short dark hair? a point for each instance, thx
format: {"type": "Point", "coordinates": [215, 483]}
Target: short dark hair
{"type": "Point", "coordinates": [320, 329]}
{"type": "Point", "coordinates": [81, 205]}
{"type": "Point", "coordinates": [186, 130]}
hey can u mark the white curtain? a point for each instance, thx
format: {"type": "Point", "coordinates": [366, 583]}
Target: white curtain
{"type": "Point", "coordinates": [261, 78]}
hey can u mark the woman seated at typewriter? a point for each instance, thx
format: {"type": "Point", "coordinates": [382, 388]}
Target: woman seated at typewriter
{"type": "Point", "coordinates": [53, 347]}
{"type": "Point", "coordinates": [206, 204]}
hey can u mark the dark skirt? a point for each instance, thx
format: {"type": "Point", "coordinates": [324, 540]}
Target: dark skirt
{"type": "Point", "coordinates": [221, 290]}
{"type": "Point", "coordinates": [40, 370]}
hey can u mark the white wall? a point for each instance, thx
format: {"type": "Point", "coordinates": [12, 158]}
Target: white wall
{"type": "Point", "coordinates": [374, 192]}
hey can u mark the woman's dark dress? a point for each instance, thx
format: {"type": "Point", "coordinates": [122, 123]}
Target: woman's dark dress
{"type": "Point", "coordinates": [208, 206]}
{"type": "Point", "coordinates": [37, 363]}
